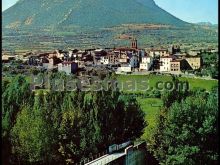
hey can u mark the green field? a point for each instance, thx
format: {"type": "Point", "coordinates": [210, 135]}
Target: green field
{"type": "Point", "coordinates": [136, 82]}
{"type": "Point", "coordinates": [151, 108]}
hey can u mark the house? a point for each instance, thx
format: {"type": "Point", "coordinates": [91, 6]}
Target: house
{"type": "Point", "coordinates": [45, 62]}
{"type": "Point", "coordinates": [104, 60]}
{"type": "Point", "coordinates": [19, 57]}
{"type": "Point", "coordinates": [33, 60]}
{"type": "Point", "coordinates": [194, 62]}
{"type": "Point", "coordinates": [146, 63]}
{"type": "Point", "coordinates": [124, 69]}
{"type": "Point", "coordinates": [180, 55]}
{"type": "Point", "coordinates": [159, 52]}
{"type": "Point", "coordinates": [100, 52]}
{"type": "Point", "coordinates": [165, 64]}
{"type": "Point", "coordinates": [7, 58]}
{"type": "Point", "coordinates": [175, 66]}
{"type": "Point", "coordinates": [72, 51]}
{"type": "Point", "coordinates": [87, 57]}
{"type": "Point", "coordinates": [53, 62]}
{"type": "Point", "coordinates": [123, 58]}
{"type": "Point", "coordinates": [113, 58]}
{"type": "Point", "coordinates": [52, 54]}
{"type": "Point", "coordinates": [68, 67]}
{"type": "Point", "coordinates": [61, 54]}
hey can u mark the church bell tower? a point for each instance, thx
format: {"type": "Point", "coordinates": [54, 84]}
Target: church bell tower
{"type": "Point", "coordinates": [134, 43]}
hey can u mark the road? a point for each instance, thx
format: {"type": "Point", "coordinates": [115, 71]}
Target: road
{"type": "Point", "coordinates": [106, 159]}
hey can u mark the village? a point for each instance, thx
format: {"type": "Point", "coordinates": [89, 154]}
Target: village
{"type": "Point", "coordinates": [121, 60]}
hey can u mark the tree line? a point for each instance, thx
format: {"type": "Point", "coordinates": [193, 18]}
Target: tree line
{"type": "Point", "coordinates": [45, 127]}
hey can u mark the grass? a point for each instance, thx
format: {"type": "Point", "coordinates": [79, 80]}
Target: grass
{"type": "Point", "coordinates": [136, 82]}
{"type": "Point", "coordinates": [200, 83]}
{"type": "Point", "coordinates": [151, 108]}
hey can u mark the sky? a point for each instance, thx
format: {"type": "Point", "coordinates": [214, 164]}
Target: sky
{"type": "Point", "coordinates": [192, 11]}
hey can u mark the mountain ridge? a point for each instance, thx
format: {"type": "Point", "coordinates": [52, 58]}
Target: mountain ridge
{"type": "Point", "coordinates": [94, 13]}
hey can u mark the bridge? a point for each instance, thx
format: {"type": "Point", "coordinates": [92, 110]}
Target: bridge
{"type": "Point", "coordinates": [132, 155]}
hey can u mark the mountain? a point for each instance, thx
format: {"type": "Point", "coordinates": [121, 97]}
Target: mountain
{"type": "Point", "coordinates": [92, 13]}
{"type": "Point", "coordinates": [205, 23]}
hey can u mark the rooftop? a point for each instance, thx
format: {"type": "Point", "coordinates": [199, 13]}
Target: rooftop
{"type": "Point", "coordinates": [125, 49]}
{"type": "Point", "coordinates": [69, 62]}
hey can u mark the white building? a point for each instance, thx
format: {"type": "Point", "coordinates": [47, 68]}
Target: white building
{"type": "Point", "coordinates": [124, 69]}
{"type": "Point", "coordinates": [104, 60]}
{"type": "Point", "coordinates": [123, 58]}
{"type": "Point", "coordinates": [68, 67]}
{"type": "Point", "coordinates": [146, 63]}
{"type": "Point", "coordinates": [159, 52]}
{"type": "Point", "coordinates": [165, 64]}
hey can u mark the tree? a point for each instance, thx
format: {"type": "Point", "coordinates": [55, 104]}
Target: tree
{"type": "Point", "coordinates": [15, 94]}
{"type": "Point", "coordinates": [30, 135]}
{"type": "Point", "coordinates": [189, 133]}
{"type": "Point", "coordinates": [47, 127]}
{"type": "Point", "coordinates": [91, 121]}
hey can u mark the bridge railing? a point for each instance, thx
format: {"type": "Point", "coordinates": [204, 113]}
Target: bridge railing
{"type": "Point", "coordinates": [91, 158]}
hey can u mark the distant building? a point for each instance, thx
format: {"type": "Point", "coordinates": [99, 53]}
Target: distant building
{"type": "Point", "coordinates": [61, 54]}
{"type": "Point", "coordinates": [124, 69]}
{"type": "Point", "coordinates": [194, 62]}
{"type": "Point", "coordinates": [134, 61]}
{"type": "Point", "coordinates": [158, 53]}
{"type": "Point", "coordinates": [53, 54]}
{"type": "Point", "coordinates": [45, 62]}
{"type": "Point", "coordinates": [81, 64]}
{"type": "Point", "coordinates": [174, 49]}
{"type": "Point", "coordinates": [113, 58]}
{"type": "Point", "coordinates": [134, 43]}
{"type": "Point", "coordinates": [7, 58]}
{"type": "Point", "coordinates": [53, 62]}
{"type": "Point", "coordinates": [104, 60]}
{"type": "Point", "coordinates": [180, 55]}
{"type": "Point", "coordinates": [68, 67]}
{"type": "Point", "coordinates": [123, 58]}
{"type": "Point", "coordinates": [165, 64]}
{"type": "Point", "coordinates": [33, 60]}
{"type": "Point", "coordinates": [175, 66]}
{"type": "Point", "coordinates": [193, 52]}
{"type": "Point", "coordinates": [146, 63]}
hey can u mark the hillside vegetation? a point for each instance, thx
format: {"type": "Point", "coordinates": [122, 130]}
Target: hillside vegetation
{"type": "Point", "coordinates": [92, 13]}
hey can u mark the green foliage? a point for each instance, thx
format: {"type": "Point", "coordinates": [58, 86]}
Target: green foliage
{"type": "Point", "coordinates": [56, 126]}
{"type": "Point", "coordinates": [210, 64]}
{"type": "Point", "coordinates": [187, 130]}
{"type": "Point", "coordinates": [151, 108]}
{"type": "Point", "coordinates": [84, 13]}
{"type": "Point", "coordinates": [16, 93]}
